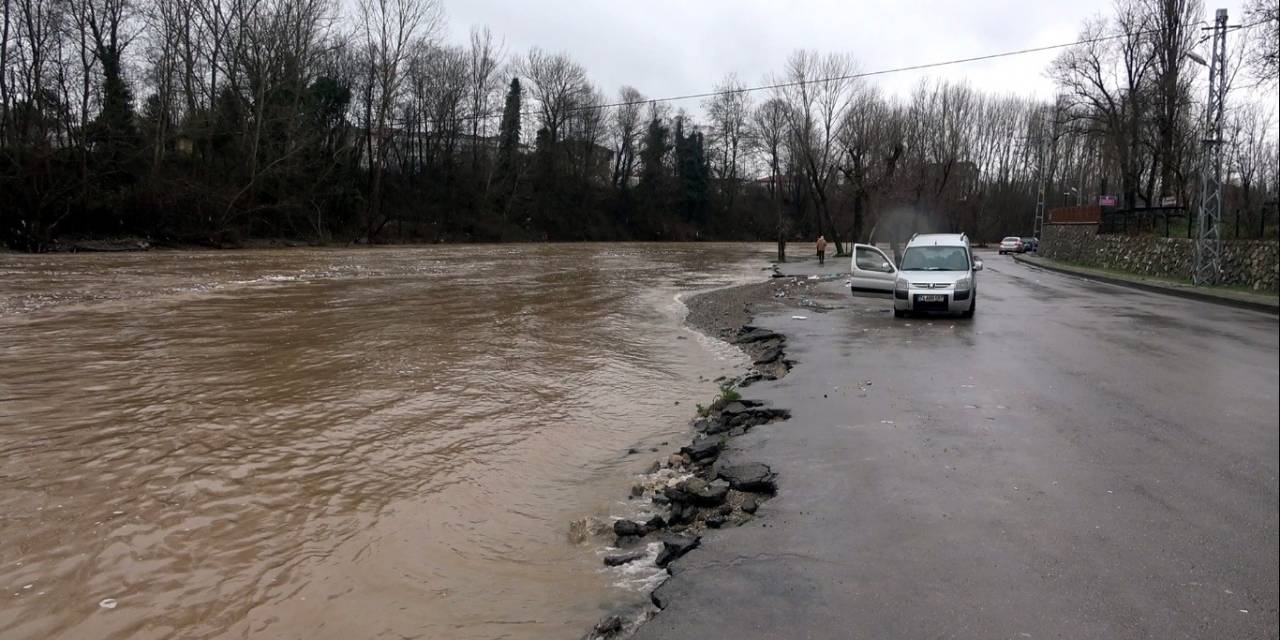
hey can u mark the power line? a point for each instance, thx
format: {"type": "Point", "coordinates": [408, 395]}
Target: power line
{"type": "Point", "coordinates": [851, 76]}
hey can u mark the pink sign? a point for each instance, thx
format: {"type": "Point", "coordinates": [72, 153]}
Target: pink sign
{"type": "Point", "coordinates": [1107, 201]}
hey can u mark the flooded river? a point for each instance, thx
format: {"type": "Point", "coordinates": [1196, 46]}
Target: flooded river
{"type": "Point", "coordinates": [326, 443]}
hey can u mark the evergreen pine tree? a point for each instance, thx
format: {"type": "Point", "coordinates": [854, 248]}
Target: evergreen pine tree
{"type": "Point", "coordinates": [654, 149]}
{"type": "Point", "coordinates": [693, 175]}
{"type": "Point", "coordinates": [652, 191]}
{"type": "Point", "coordinates": [509, 135]}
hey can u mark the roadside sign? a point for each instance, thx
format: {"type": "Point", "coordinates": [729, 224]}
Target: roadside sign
{"type": "Point", "coordinates": [1169, 201]}
{"type": "Point", "coordinates": [1106, 201]}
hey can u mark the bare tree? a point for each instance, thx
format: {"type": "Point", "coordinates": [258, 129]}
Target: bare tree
{"type": "Point", "coordinates": [817, 90]}
{"type": "Point", "coordinates": [1264, 49]}
{"type": "Point", "coordinates": [557, 84]}
{"type": "Point", "coordinates": [626, 134]}
{"type": "Point", "coordinates": [276, 47]}
{"type": "Point", "coordinates": [33, 51]}
{"type": "Point", "coordinates": [871, 139]}
{"type": "Point", "coordinates": [1104, 83]}
{"type": "Point", "coordinates": [584, 131]}
{"type": "Point", "coordinates": [164, 27]}
{"type": "Point", "coordinates": [1175, 29]}
{"type": "Point", "coordinates": [942, 117]}
{"type": "Point", "coordinates": [1247, 152]}
{"type": "Point", "coordinates": [5, 29]}
{"type": "Point", "coordinates": [483, 83]}
{"type": "Point", "coordinates": [729, 111]}
{"type": "Point", "coordinates": [448, 86]}
{"type": "Point", "coordinates": [388, 27]}
{"type": "Point", "coordinates": [36, 122]}
{"type": "Point", "coordinates": [769, 131]}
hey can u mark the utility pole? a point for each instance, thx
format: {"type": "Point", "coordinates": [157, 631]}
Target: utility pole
{"type": "Point", "coordinates": [1208, 248]}
{"type": "Point", "coordinates": [1048, 161]}
{"type": "Point", "coordinates": [1035, 231]}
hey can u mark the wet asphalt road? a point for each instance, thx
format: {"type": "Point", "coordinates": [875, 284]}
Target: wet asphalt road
{"type": "Point", "coordinates": [1079, 461]}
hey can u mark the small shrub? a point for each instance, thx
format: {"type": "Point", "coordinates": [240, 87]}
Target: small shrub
{"type": "Point", "coordinates": [729, 394]}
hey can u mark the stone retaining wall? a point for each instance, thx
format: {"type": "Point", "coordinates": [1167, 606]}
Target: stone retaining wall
{"type": "Point", "coordinates": [1251, 263]}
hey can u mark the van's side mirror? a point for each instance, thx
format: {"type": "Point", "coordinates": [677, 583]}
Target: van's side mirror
{"type": "Point", "coordinates": [977, 265]}
{"type": "Point", "coordinates": [886, 267]}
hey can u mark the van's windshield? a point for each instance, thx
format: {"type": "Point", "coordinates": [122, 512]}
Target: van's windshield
{"type": "Point", "coordinates": [935, 259]}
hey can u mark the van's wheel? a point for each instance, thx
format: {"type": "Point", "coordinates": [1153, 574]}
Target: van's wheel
{"type": "Point", "coordinates": [899, 313]}
{"type": "Point", "coordinates": [973, 306]}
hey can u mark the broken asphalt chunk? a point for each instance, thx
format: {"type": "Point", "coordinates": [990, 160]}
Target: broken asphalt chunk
{"type": "Point", "coordinates": [752, 477]}
{"type": "Point", "coordinates": [675, 546]}
{"type": "Point", "coordinates": [702, 449]}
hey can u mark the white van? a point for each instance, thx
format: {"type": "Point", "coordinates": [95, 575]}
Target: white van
{"type": "Point", "coordinates": [938, 274]}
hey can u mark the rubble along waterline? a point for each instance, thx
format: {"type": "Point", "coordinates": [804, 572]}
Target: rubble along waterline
{"type": "Point", "coordinates": [337, 443]}
{"type": "Point", "coordinates": [697, 489]}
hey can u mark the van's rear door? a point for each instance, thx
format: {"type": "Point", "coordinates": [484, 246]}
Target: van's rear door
{"type": "Point", "coordinates": [873, 273]}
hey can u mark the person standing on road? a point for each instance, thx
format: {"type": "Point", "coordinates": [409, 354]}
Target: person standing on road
{"type": "Point", "coordinates": [822, 249]}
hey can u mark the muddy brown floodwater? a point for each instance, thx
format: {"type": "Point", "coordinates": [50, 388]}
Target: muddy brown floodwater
{"type": "Point", "coordinates": [325, 443]}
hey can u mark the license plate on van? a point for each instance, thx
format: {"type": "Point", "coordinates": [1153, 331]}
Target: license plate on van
{"type": "Point", "coordinates": [926, 297]}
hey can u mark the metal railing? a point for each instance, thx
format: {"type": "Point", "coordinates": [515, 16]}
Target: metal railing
{"type": "Point", "coordinates": [1165, 221]}
{"type": "Point", "coordinates": [1179, 222]}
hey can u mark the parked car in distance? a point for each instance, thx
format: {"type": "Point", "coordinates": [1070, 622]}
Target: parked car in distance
{"type": "Point", "coordinates": [1031, 244]}
{"type": "Point", "coordinates": [938, 274]}
{"type": "Point", "coordinates": [1012, 244]}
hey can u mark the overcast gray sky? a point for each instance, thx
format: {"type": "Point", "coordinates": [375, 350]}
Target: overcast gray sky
{"type": "Point", "coordinates": [670, 47]}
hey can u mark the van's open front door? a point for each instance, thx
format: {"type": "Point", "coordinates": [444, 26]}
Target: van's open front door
{"type": "Point", "coordinates": [873, 273]}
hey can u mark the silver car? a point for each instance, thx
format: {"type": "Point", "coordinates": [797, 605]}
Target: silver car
{"type": "Point", "coordinates": [1012, 244]}
{"type": "Point", "coordinates": [937, 274]}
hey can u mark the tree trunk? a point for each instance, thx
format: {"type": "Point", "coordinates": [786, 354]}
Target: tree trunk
{"type": "Point", "coordinates": [782, 232]}
{"type": "Point", "coordinates": [824, 212]}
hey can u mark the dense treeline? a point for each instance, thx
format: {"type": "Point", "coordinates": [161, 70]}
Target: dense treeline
{"type": "Point", "coordinates": [215, 121]}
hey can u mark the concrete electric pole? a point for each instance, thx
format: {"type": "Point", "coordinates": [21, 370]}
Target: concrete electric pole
{"type": "Point", "coordinates": [1040, 200]}
{"type": "Point", "coordinates": [1208, 249]}
{"type": "Point", "coordinates": [1048, 160]}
